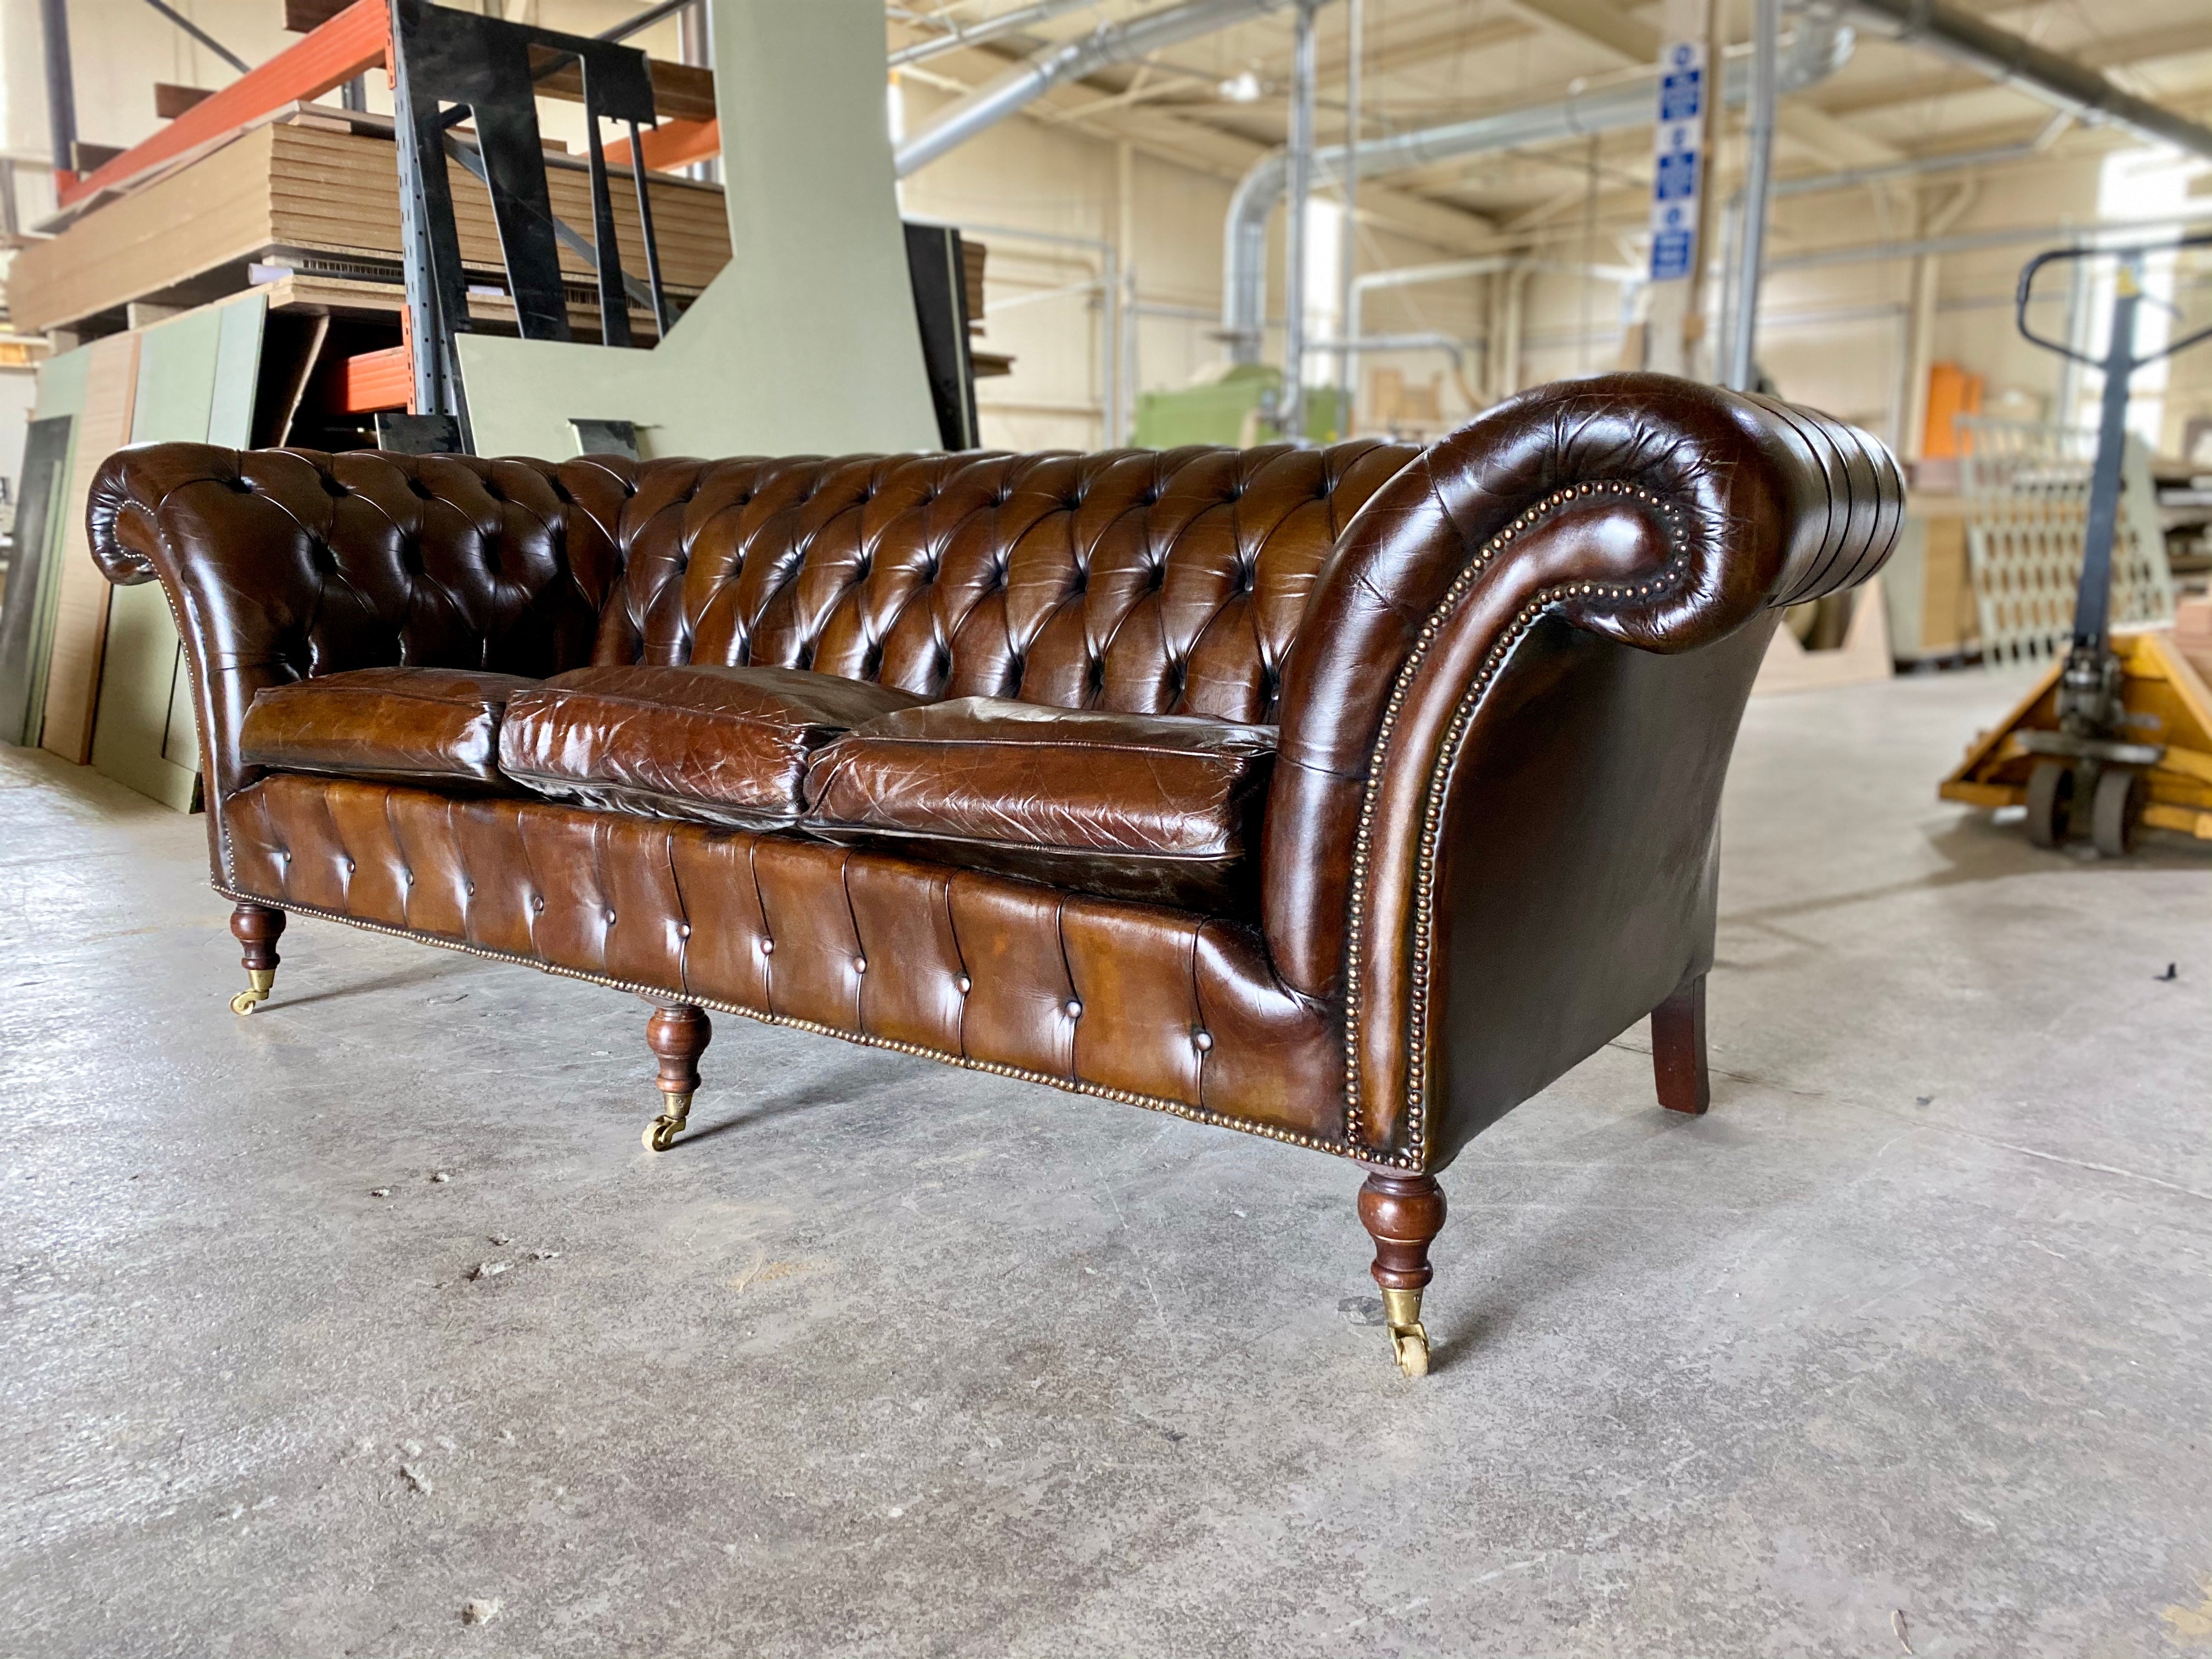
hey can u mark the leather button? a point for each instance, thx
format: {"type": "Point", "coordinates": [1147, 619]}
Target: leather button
{"type": "Point", "coordinates": [860, 965]}
{"type": "Point", "coordinates": [610, 918]}
{"type": "Point", "coordinates": [471, 887]}
{"type": "Point", "coordinates": [1202, 1041]}
{"type": "Point", "coordinates": [407, 878]}
{"type": "Point", "coordinates": [348, 865]}
{"type": "Point", "coordinates": [683, 930]}
{"type": "Point", "coordinates": [1074, 1010]}
{"type": "Point", "coordinates": [963, 985]}
{"type": "Point", "coordinates": [768, 947]}
{"type": "Point", "coordinates": [537, 903]}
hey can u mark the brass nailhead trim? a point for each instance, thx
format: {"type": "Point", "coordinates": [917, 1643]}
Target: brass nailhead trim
{"type": "Point", "coordinates": [1424, 862]}
{"type": "Point", "coordinates": [1073, 1085]}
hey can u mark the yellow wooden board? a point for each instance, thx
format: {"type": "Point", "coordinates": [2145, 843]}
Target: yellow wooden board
{"type": "Point", "coordinates": [81, 607]}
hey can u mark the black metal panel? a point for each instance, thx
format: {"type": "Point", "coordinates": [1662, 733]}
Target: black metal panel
{"type": "Point", "coordinates": [418, 434]}
{"type": "Point", "coordinates": [604, 437]}
{"type": "Point", "coordinates": [941, 306]}
{"type": "Point", "coordinates": [485, 69]}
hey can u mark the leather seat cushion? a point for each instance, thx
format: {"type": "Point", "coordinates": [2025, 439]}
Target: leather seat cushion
{"type": "Point", "coordinates": [438, 727]}
{"type": "Point", "coordinates": [717, 745]}
{"type": "Point", "coordinates": [1163, 808]}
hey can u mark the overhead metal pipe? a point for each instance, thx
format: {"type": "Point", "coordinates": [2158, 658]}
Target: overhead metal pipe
{"type": "Point", "coordinates": [1819, 47]}
{"type": "Point", "coordinates": [2002, 56]}
{"type": "Point", "coordinates": [1107, 45]}
{"type": "Point", "coordinates": [991, 28]}
{"type": "Point", "coordinates": [1765, 74]}
{"type": "Point", "coordinates": [1917, 166]}
{"type": "Point", "coordinates": [1975, 241]}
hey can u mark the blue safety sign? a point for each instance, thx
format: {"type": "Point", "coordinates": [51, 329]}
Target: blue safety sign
{"type": "Point", "coordinates": [1677, 173]}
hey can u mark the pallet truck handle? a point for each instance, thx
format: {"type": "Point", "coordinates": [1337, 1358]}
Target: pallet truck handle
{"type": "Point", "coordinates": [2051, 255]}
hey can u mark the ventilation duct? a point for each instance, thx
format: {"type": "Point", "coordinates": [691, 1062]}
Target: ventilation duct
{"type": "Point", "coordinates": [1108, 43]}
{"type": "Point", "coordinates": [2078, 90]}
{"type": "Point", "coordinates": [1818, 49]}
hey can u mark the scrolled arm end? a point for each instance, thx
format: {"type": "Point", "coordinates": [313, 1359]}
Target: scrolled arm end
{"type": "Point", "coordinates": [1656, 513]}
{"type": "Point", "coordinates": [123, 511]}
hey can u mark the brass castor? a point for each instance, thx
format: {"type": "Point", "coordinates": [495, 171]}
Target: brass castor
{"type": "Point", "coordinates": [1402, 1212]}
{"type": "Point", "coordinates": [677, 1036]}
{"type": "Point", "coordinates": [1409, 1337]}
{"type": "Point", "coordinates": [257, 927]}
{"type": "Point", "coordinates": [260, 979]}
{"type": "Point", "coordinates": [660, 1133]}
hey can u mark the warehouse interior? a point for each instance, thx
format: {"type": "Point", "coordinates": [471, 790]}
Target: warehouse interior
{"type": "Point", "coordinates": [346, 1313]}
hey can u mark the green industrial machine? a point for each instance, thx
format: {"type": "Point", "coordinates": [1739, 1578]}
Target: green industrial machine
{"type": "Point", "coordinates": [1231, 409]}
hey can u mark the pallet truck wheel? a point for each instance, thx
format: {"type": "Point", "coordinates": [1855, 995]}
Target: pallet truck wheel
{"type": "Point", "coordinates": [2050, 802]}
{"type": "Point", "coordinates": [2113, 815]}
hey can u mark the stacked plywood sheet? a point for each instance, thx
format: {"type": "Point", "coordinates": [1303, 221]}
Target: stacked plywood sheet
{"type": "Point", "coordinates": [302, 188]}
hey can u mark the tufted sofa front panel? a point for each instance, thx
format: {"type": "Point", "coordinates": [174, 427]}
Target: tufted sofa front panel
{"type": "Point", "coordinates": [1141, 582]}
{"type": "Point", "coordinates": [1154, 1006]}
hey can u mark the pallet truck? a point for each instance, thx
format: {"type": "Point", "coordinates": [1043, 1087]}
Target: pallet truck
{"type": "Point", "coordinates": [2119, 734]}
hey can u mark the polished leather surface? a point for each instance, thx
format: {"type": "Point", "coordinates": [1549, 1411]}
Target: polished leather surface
{"type": "Point", "coordinates": [282, 565]}
{"type": "Point", "coordinates": [1505, 671]}
{"type": "Point", "coordinates": [1155, 807]}
{"type": "Point", "coordinates": [1699, 508]}
{"type": "Point", "coordinates": [719, 745]}
{"type": "Point", "coordinates": [393, 725]}
{"type": "Point", "coordinates": [1141, 582]}
{"type": "Point", "coordinates": [1178, 1009]}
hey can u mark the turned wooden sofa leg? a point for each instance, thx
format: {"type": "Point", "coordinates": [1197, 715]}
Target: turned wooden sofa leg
{"type": "Point", "coordinates": [1402, 1213]}
{"type": "Point", "coordinates": [1678, 1049]}
{"type": "Point", "coordinates": [257, 928]}
{"type": "Point", "coordinates": [677, 1035]}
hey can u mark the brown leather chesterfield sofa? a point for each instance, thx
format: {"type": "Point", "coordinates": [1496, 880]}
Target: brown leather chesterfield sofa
{"type": "Point", "coordinates": [1344, 796]}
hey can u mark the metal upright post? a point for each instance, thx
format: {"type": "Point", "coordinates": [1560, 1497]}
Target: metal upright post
{"type": "Point", "coordinates": [2093, 607]}
{"type": "Point", "coordinates": [1290, 405]}
{"type": "Point", "coordinates": [1767, 30]}
{"type": "Point", "coordinates": [61, 86]}
{"type": "Point", "coordinates": [1348, 187]}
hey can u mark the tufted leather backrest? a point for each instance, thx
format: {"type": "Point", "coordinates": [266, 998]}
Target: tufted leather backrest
{"type": "Point", "coordinates": [365, 559]}
{"type": "Point", "coordinates": [1143, 582]}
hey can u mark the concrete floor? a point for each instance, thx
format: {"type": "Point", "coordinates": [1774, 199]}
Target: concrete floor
{"type": "Point", "coordinates": [1905, 1343]}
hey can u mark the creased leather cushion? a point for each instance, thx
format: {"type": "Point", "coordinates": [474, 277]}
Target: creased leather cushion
{"type": "Point", "coordinates": [1155, 807]}
{"type": "Point", "coordinates": [717, 745]}
{"type": "Point", "coordinates": [430, 725]}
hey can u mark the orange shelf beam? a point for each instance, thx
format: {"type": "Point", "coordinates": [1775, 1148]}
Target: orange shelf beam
{"type": "Point", "coordinates": [373, 380]}
{"type": "Point", "coordinates": [356, 40]}
{"type": "Point", "coordinates": [670, 145]}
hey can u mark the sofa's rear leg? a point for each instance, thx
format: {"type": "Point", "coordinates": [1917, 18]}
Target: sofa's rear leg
{"type": "Point", "coordinates": [677, 1035]}
{"type": "Point", "coordinates": [257, 928]}
{"type": "Point", "coordinates": [1402, 1213]}
{"type": "Point", "coordinates": [1678, 1049]}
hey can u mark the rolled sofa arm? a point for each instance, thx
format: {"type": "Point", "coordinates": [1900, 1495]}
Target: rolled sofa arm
{"type": "Point", "coordinates": [284, 564]}
{"type": "Point", "coordinates": [1634, 511]}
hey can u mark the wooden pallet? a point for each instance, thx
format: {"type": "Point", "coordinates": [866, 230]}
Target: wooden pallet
{"type": "Point", "coordinates": [2167, 702]}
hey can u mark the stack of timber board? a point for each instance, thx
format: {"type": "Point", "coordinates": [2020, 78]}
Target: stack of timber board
{"type": "Point", "coordinates": [304, 187]}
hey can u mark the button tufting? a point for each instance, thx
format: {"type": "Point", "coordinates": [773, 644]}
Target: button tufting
{"type": "Point", "coordinates": [963, 985]}
{"type": "Point", "coordinates": [768, 947]}
{"type": "Point", "coordinates": [683, 930]}
{"type": "Point", "coordinates": [1202, 1041]}
{"type": "Point", "coordinates": [860, 965]}
{"type": "Point", "coordinates": [537, 902]}
{"type": "Point", "coordinates": [1074, 1010]}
